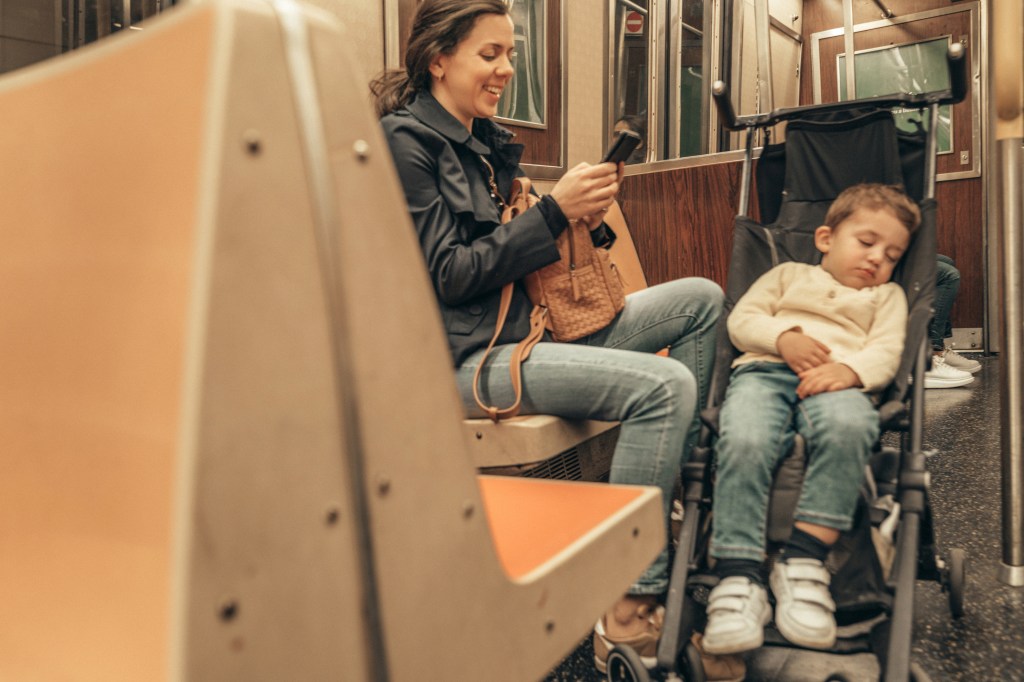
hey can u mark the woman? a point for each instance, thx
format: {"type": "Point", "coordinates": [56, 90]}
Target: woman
{"type": "Point", "coordinates": [638, 125]}
{"type": "Point", "coordinates": [436, 115]}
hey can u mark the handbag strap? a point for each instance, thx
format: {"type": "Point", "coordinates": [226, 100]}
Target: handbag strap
{"type": "Point", "coordinates": [519, 355]}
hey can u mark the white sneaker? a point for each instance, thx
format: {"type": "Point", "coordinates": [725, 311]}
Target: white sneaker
{"type": "Point", "coordinates": [738, 610]}
{"type": "Point", "coordinates": [804, 610]}
{"type": "Point", "coordinates": [957, 361]}
{"type": "Point", "coordinates": [942, 375]}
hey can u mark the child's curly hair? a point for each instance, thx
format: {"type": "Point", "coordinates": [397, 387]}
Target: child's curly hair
{"type": "Point", "coordinates": [876, 197]}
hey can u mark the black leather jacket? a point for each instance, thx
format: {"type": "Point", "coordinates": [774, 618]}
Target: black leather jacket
{"type": "Point", "coordinates": [470, 255]}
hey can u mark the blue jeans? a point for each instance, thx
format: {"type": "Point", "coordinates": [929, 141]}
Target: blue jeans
{"type": "Point", "coordinates": [947, 285]}
{"type": "Point", "coordinates": [603, 377]}
{"type": "Point", "coordinates": [759, 418]}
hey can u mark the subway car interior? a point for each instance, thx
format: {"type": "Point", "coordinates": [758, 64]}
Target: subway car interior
{"type": "Point", "coordinates": [234, 447]}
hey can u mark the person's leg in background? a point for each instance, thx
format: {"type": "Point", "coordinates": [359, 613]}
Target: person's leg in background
{"type": "Point", "coordinates": [947, 286]}
{"type": "Point", "coordinates": [949, 368]}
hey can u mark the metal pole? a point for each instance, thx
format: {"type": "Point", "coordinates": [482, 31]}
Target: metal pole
{"type": "Point", "coordinates": [1011, 397]}
{"type": "Point", "coordinates": [851, 76]}
{"type": "Point", "coordinates": [1008, 29]}
{"type": "Point", "coordinates": [762, 26]}
{"type": "Point", "coordinates": [744, 207]}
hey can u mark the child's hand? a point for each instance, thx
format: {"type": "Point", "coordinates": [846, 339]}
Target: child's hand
{"type": "Point", "coordinates": [800, 351]}
{"type": "Point", "coordinates": [832, 376]}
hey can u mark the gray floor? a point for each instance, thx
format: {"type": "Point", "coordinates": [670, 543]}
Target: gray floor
{"type": "Point", "coordinates": [962, 425]}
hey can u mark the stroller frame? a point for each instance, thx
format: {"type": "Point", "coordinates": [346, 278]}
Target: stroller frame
{"type": "Point", "coordinates": [902, 410]}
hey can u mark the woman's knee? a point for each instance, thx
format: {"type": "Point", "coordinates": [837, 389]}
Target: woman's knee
{"type": "Point", "coordinates": [947, 274]}
{"type": "Point", "coordinates": [692, 291]}
{"type": "Point", "coordinates": [706, 291]}
{"type": "Point", "coordinates": [673, 385]}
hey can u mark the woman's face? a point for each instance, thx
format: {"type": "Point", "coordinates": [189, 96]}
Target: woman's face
{"type": "Point", "coordinates": [469, 82]}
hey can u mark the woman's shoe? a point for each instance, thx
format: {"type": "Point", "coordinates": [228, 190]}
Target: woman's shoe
{"type": "Point", "coordinates": [727, 668]}
{"type": "Point", "coordinates": [645, 642]}
{"type": "Point", "coordinates": [957, 361]}
{"type": "Point", "coordinates": [942, 375]}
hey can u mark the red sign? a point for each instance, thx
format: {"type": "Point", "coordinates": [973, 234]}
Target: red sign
{"type": "Point", "coordinates": [634, 24]}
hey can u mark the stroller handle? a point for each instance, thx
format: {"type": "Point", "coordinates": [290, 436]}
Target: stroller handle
{"type": "Point", "coordinates": [956, 62]}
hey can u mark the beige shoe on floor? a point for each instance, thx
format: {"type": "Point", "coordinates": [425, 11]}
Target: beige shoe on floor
{"type": "Point", "coordinates": [942, 375]}
{"type": "Point", "coordinates": [957, 361]}
{"type": "Point", "coordinates": [645, 643]}
{"type": "Point", "coordinates": [727, 668]}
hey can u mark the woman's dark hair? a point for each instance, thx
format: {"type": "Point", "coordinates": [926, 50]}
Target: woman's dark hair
{"type": "Point", "coordinates": [638, 124]}
{"type": "Point", "coordinates": [437, 28]}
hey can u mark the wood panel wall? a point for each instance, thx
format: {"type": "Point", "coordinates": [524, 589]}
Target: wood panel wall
{"type": "Point", "coordinates": [960, 216]}
{"type": "Point", "coordinates": [681, 220]}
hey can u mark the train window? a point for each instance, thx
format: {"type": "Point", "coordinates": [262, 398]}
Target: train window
{"type": "Point", "coordinates": [913, 68]}
{"type": "Point", "coordinates": [666, 53]}
{"type": "Point", "coordinates": [34, 30]}
{"type": "Point", "coordinates": [884, 62]}
{"type": "Point", "coordinates": [686, 126]}
{"type": "Point", "coordinates": [660, 58]}
{"type": "Point", "coordinates": [631, 36]}
{"type": "Point", "coordinates": [524, 101]}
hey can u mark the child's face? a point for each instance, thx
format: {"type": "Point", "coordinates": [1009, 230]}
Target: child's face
{"type": "Point", "coordinates": [862, 250]}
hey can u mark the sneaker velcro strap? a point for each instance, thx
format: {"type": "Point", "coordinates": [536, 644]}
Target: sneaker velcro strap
{"type": "Point", "coordinates": [730, 595]}
{"type": "Point", "coordinates": [814, 572]}
{"type": "Point", "coordinates": [732, 588]}
{"type": "Point", "coordinates": [727, 603]}
{"type": "Point", "coordinates": [813, 595]}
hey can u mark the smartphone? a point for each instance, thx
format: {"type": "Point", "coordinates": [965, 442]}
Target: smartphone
{"type": "Point", "coordinates": [622, 147]}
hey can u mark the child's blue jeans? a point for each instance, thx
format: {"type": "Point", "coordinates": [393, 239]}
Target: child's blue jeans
{"type": "Point", "coordinates": [759, 418]}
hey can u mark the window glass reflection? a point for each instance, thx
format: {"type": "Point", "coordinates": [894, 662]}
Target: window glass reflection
{"type": "Point", "coordinates": [631, 38]}
{"type": "Point", "coordinates": [692, 98]}
{"type": "Point", "coordinates": [524, 98]}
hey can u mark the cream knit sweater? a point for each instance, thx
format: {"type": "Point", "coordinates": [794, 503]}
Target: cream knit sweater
{"type": "Point", "coordinates": [864, 328]}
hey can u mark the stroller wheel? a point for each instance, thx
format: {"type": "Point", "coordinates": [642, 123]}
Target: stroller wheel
{"type": "Point", "coordinates": [624, 665]}
{"type": "Point", "coordinates": [957, 579]}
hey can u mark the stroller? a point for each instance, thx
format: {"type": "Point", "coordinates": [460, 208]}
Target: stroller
{"type": "Point", "coordinates": [874, 565]}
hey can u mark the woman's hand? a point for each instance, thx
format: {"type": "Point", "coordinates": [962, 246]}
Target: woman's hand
{"type": "Point", "coordinates": [587, 190]}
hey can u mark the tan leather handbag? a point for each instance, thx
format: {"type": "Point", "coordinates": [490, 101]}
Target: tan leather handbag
{"type": "Point", "coordinates": [581, 292]}
{"type": "Point", "coordinates": [578, 295]}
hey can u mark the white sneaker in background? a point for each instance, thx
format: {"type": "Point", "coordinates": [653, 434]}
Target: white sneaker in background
{"type": "Point", "coordinates": [957, 361]}
{"type": "Point", "coordinates": [942, 375]}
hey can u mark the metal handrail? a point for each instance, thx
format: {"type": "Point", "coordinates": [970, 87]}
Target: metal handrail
{"type": "Point", "coordinates": [956, 61]}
